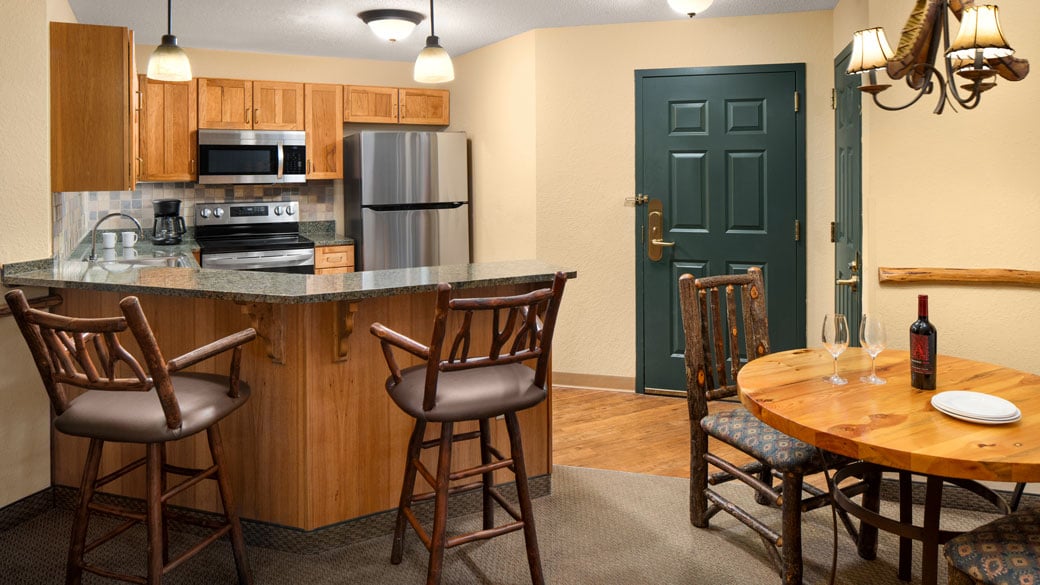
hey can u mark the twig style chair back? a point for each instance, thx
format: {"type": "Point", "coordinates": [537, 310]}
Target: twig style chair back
{"type": "Point", "coordinates": [152, 404]}
{"type": "Point", "coordinates": [457, 384]}
{"type": "Point", "coordinates": [716, 312]}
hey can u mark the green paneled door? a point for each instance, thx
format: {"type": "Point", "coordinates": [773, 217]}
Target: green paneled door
{"type": "Point", "coordinates": [848, 189]}
{"type": "Point", "coordinates": [723, 151]}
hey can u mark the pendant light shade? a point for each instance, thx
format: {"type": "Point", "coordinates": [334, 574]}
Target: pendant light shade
{"type": "Point", "coordinates": [391, 24]}
{"type": "Point", "coordinates": [980, 31]}
{"type": "Point", "coordinates": [434, 63]}
{"type": "Point", "coordinates": [690, 7]}
{"type": "Point", "coordinates": [169, 62]}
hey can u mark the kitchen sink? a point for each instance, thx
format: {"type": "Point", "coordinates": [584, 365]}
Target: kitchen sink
{"type": "Point", "coordinates": [119, 264]}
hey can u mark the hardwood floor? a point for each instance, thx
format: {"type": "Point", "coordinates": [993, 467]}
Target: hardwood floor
{"type": "Point", "coordinates": [624, 431]}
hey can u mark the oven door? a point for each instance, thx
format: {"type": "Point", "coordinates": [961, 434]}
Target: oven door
{"type": "Point", "coordinates": [292, 261]}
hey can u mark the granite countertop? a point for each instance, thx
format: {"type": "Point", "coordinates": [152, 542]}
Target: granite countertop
{"type": "Point", "coordinates": [269, 287]}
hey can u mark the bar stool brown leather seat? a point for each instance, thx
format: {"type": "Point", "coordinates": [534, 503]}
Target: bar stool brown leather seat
{"type": "Point", "coordinates": [472, 388]}
{"type": "Point", "coordinates": [150, 408]}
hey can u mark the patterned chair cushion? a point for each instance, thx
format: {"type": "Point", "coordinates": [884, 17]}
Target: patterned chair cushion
{"type": "Point", "coordinates": [1005, 551]}
{"type": "Point", "coordinates": [741, 429]}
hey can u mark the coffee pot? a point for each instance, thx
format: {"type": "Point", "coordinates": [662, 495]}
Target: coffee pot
{"type": "Point", "coordinates": [169, 225]}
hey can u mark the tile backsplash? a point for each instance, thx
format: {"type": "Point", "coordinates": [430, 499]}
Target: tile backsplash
{"type": "Point", "coordinates": [76, 213]}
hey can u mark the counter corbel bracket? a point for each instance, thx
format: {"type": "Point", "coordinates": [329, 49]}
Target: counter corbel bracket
{"type": "Point", "coordinates": [269, 321]}
{"type": "Point", "coordinates": [345, 312]}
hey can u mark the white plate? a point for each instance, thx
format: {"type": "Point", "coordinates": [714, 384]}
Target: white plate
{"type": "Point", "coordinates": [982, 421]}
{"type": "Point", "coordinates": [974, 405]}
{"type": "Point", "coordinates": [998, 419]}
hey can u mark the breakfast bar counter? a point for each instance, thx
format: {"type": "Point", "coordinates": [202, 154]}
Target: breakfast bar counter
{"type": "Point", "coordinates": [319, 442]}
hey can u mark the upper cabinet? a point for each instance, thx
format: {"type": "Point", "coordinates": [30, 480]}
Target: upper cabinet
{"type": "Point", "coordinates": [424, 106]}
{"type": "Point", "coordinates": [168, 130]}
{"type": "Point", "coordinates": [256, 105]}
{"type": "Point", "coordinates": [324, 113]}
{"type": "Point", "coordinates": [93, 108]}
{"type": "Point", "coordinates": [392, 105]}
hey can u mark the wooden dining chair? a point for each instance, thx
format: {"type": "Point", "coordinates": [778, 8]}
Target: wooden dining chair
{"type": "Point", "coordinates": [465, 386]}
{"type": "Point", "coordinates": [123, 401]}
{"type": "Point", "coordinates": [717, 313]}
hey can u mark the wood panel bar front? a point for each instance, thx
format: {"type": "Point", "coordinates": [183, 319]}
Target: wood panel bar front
{"type": "Point", "coordinates": [319, 441]}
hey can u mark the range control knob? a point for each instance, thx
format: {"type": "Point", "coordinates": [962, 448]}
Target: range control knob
{"type": "Point", "coordinates": [289, 210]}
{"type": "Point", "coordinates": [278, 210]}
{"type": "Point", "coordinates": [218, 212]}
{"type": "Point", "coordinates": [204, 212]}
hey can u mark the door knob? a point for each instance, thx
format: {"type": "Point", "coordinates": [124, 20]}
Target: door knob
{"type": "Point", "coordinates": [852, 282]}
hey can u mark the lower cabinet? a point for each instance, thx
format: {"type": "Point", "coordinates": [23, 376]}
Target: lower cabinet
{"type": "Point", "coordinates": [333, 259]}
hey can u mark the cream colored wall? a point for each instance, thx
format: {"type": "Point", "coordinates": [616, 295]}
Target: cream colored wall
{"type": "Point", "coordinates": [493, 100]}
{"type": "Point", "coordinates": [24, 232]}
{"type": "Point", "coordinates": [586, 159]}
{"type": "Point", "coordinates": [957, 190]}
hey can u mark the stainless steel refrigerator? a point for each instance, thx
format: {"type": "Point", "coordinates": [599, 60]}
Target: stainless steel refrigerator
{"type": "Point", "coordinates": [407, 198]}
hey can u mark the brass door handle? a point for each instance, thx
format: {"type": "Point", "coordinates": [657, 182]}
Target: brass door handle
{"type": "Point", "coordinates": [850, 282]}
{"type": "Point", "coordinates": [662, 243]}
{"type": "Point", "coordinates": [655, 221]}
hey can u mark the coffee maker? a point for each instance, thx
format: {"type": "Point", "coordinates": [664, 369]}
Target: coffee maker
{"type": "Point", "coordinates": [169, 225]}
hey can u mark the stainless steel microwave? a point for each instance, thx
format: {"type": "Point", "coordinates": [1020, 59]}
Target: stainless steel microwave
{"type": "Point", "coordinates": [252, 156]}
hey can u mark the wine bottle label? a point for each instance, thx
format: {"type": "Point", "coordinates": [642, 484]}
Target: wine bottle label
{"type": "Point", "coordinates": [920, 356]}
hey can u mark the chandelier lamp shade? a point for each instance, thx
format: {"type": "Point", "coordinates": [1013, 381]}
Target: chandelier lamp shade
{"type": "Point", "coordinates": [978, 54]}
{"type": "Point", "coordinates": [434, 63]}
{"type": "Point", "coordinates": [690, 8]}
{"type": "Point", "coordinates": [391, 24]}
{"type": "Point", "coordinates": [169, 62]}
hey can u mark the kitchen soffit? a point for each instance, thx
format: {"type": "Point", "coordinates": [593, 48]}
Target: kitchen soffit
{"type": "Point", "coordinates": [331, 28]}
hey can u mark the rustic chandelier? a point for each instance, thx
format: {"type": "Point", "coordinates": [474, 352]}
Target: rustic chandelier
{"type": "Point", "coordinates": [978, 54]}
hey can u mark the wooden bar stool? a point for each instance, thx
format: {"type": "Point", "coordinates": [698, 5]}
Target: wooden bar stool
{"type": "Point", "coordinates": [465, 388]}
{"type": "Point", "coordinates": [151, 408]}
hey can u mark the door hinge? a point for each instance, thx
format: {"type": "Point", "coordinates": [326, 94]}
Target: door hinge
{"type": "Point", "coordinates": [834, 98]}
{"type": "Point", "coordinates": [834, 231]}
{"type": "Point", "coordinates": [797, 102]}
{"type": "Point", "coordinates": [797, 230]}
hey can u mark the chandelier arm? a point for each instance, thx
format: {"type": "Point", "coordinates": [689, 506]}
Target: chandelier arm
{"type": "Point", "coordinates": [924, 89]}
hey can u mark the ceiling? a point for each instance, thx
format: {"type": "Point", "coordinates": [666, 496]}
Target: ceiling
{"type": "Point", "coordinates": [331, 28]}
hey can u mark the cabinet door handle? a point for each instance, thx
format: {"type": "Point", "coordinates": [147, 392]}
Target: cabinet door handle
{"type": "Point", "coordinates": [248, 112]}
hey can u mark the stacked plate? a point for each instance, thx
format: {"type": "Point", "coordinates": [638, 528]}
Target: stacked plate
{"type": "Point", "coordinates": [976, 407]}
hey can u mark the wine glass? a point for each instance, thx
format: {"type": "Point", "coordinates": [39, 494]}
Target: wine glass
{"type": "Point", "coordinates": [835, 340]}
{"type": "Point", "coordinates": [872, 338]}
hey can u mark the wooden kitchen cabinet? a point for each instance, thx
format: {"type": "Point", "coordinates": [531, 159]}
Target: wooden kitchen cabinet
{"type": "Point", "coordinates": [393, 105]}
{"type": "Point", "coordinates": [424, 106]}
{"type": "Point", "coordinates": [333, 259]}
{"type": "Point", "coordinates": [323, 105]}
{"type": "Point", "coordinates": [277, 105]}
{"type": "Point", "coordinates": [225, 103]}
{"type": "Point", "coordinates": [168, 130]}
{"type": "Point", "coordinates": [250, 105]}
{"type": "Point", "coordinates": [370, 104]}
{"type": "Point", "coordinates": [93, 108]}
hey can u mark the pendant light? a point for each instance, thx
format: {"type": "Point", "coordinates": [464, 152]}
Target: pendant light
{"type": "Point", "coordinates": [169, 62]}
{"type": "Point", "coordinates": [434, 63]}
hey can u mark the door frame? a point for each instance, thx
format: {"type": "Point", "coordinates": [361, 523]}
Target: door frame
{"type": "Point", "coordinates": [798, 69]}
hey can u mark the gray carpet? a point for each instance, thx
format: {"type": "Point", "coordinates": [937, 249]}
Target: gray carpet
{"type": "Point", "coordinates": [597, 527]}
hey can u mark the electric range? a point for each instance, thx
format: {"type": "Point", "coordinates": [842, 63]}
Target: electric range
{"type": "Point", "coordinates": [256, 235]}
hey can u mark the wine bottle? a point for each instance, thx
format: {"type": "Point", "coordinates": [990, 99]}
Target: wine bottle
{"type": "Point", "coordinates": [922, 348]}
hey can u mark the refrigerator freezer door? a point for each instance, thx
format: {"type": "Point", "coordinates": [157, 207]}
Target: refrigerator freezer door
{"type": "Point", "coordinates": [407, 168]}
{"type": "Point", "coordinates": [414, 237]}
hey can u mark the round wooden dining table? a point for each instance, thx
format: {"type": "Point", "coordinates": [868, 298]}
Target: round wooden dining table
{"type": "Point", "coordinates": [894, 425]}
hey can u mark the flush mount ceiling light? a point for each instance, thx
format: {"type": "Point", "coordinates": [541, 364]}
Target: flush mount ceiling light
{"type": "Point", "coordinates": [169, 62]}
{"type": "Point", "coordinates": [978, 54]}
{"type": "Point", "coordinates": [434, 63]}
{"type": "Point", "coordinates": [690, 8]}
{"type": "Point", "coordinates": [391, 24]}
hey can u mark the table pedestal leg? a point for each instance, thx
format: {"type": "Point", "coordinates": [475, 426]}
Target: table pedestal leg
{"type": "Point", "coordinates": [930, 543]}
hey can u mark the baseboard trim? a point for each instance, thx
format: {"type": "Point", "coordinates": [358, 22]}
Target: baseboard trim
{"type": "Point", "coordinates": [275, 536]}
{"type": "Point", "coordinates": [594, 381]}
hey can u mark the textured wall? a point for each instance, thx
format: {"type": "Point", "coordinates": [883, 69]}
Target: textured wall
{"type": "Point", "coordinates": [24, 232]}
{"type": "Point", "coordinates": [493, 100]}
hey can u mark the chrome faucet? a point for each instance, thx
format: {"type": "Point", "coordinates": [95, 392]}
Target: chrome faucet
{"type": "Point", "coordinates": [93, 232]}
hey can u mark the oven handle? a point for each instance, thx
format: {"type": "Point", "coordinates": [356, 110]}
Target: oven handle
{"type": "Point", "coordinates": [281, 159]}
{"type": "Point", "coordinates": [236, 262]}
